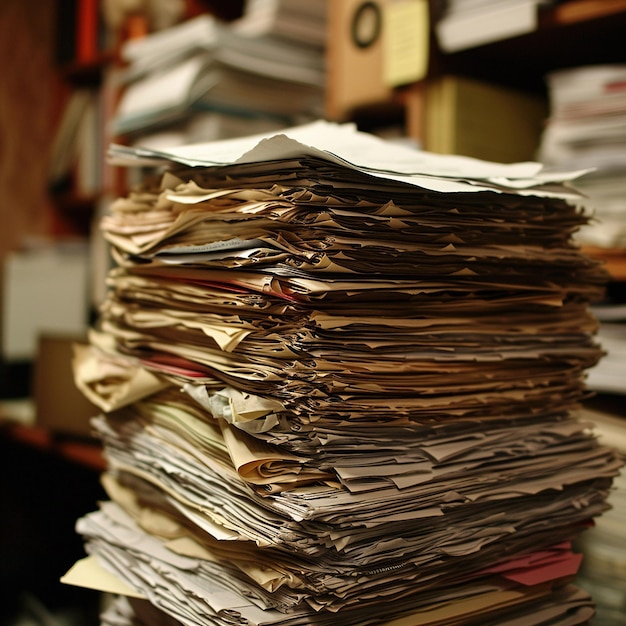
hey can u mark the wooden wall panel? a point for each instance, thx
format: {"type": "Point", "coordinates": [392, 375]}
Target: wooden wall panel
{"type": "Point", "coordinates": [28, 98]}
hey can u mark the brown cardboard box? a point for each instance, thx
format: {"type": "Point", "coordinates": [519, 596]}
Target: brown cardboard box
{"type": "Point", "coordinates": [355, 69]}
{"type": "Point", "coordinates": [59, 405]}
{"type": "Point", "coordinates": [460, 112]}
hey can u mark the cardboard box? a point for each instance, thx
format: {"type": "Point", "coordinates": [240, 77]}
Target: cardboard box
{"type": "Point", "coordinates": [44, 290]}
{"type": "Point", "coordinates": [59, 405]}
{"type": "Point", "coordinates": [355, 58]}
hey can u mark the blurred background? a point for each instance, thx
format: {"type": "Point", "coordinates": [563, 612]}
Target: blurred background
{"type": "Point", "coordinates": [506, 80]}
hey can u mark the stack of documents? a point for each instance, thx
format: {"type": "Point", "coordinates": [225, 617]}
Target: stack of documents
{"type": "Point", "coordinates": [587, 129]}
{"type": "Point", "coordinates": [203, 79]}
{"type": "Point", "coordinates": [603, 571]}
{"type": "Point", "coordinates": [470, 23]}
{"type": "Point", "coordinates": [339, 381]}
{"type": "Point", "coordinates": [609, 376]}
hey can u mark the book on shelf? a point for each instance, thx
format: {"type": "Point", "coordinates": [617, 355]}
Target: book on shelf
{"type": "Point", "coordinates": [81, 32]}
{"type": "Point", "coordinates": [76, 159]}
{"type": "Point", "coordinates": [461, 112]}
{"type": "Point", "coordinates": [469, 23]}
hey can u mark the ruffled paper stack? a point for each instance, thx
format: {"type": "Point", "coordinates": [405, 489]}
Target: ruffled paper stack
{"type": "Point", "coordinates": [340, 381]}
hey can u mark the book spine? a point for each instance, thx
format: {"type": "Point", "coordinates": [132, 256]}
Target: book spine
{"type": "Point", "coordinates": [87, 31]}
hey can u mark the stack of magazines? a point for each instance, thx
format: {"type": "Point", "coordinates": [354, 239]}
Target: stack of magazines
{"type": "Point", "coordinates": [340, 383]}
{"type": "Point", "coordinates": [207, 80]}
{"type": "Point", "coordinates": [586, 129]}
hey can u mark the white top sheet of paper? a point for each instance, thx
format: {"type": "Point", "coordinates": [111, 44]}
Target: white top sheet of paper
{"type": "Point", "coordinates": [343, 144]}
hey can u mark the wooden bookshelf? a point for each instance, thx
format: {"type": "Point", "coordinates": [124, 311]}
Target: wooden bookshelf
{"type": "Point", "coordinates": [614, 260]}
{"type": "Point", "coordinates": [577, 11]}
{"type": "Point", "coordinates": [569, 34]}
{"type": "Point", "coordinates": [86, 453]}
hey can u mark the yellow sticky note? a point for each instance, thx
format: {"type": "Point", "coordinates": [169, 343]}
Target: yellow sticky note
{"type": "Point", "coordinates": [406, 44]}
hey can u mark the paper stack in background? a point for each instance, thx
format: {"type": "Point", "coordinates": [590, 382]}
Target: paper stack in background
{"type": "Point", "coordinates": [587, 129]}
{"type": "Point", "coordinates": [609, 376]}
{"type": "Point", "coordinates": [469, 23]}
{"type": "Point", "coordinates": [204, 79]}
{"type": "Point", "coordinates": [340, 383]}
{"type": "Point", "coordinates": [603, 571]}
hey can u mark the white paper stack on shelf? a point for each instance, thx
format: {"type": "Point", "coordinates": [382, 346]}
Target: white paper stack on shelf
{"type": "Point", "coordinates": [587, 129]}
{"type": "Point", "coordinates": [604, 568]}
{"type": "Point", "coordinates": [285, 19]}
{"type": "Point", "coordinates": [204, 79]}
{"type": "Point", "coordinates": [469, 23]}
{"type": "Point", "coordinates": [339, 380]}
{"type": "Point", "coordinates": [609, 376]}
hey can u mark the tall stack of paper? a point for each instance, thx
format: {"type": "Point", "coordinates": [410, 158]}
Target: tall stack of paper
{"type": "Point", "coordinates": [587, 129]}
{"type": "Point", "coordinates": [339, 382]}
{"type": "Point", "coordinates": [204, 79]}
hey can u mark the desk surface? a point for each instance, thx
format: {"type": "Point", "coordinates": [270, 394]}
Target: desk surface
{"type": "Point", "coordinates": [86, 453]}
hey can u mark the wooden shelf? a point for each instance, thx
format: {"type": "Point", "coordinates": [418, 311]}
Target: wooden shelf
{"type": "Point", "coordinates": [614, 259]}
{"type": "Point", "coordinates": [570, 34]}
{"type": "Point", "coordinates": [73, 213]}
{"type": "Point", "coordinates": [576, 11]}
{"type": "Point", "coordinates": [85, 453]}
{"type": "Point", "coordinates": [87, 74]}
